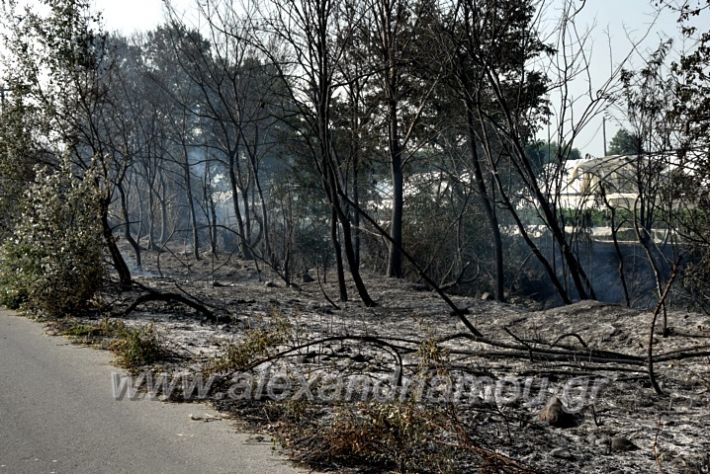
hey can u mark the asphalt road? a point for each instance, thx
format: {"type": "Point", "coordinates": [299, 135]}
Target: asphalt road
{"type": "Point", "coordinates": [58, 415]}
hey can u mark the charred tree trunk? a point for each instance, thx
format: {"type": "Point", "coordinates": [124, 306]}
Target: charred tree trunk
{"type": "Point", "coordinates": [617, 247]}
{"type": "Point", "coordinates": [334, 190]}
{"type": "Point", "coordinates": [151, 217]}
{"type": "Point", "coordinates": [127, 227]}
{"type": "Point", "coordinates": [163, 211]}
{"type": "Point", "coordinates": [352, 263]}
{"type": "Point", "coordinates": [342, 289]}
{"type": "Point", "coordinates": [356, 214]}
{"type": "Point", "coordinates": [191, 205]}
{"type": "Point", "coordinates": [243, 248]}
{"type": "Point", "coordinates": [265, 233]}
{"type": "Point", "coordinates": [488, 204]}
{"type": "Point", "coordinates": [124, 274]}
{"type": "Point", "coordinates": [394, 262]}
{"type": "Point", "coordinates": [488, 152]}
{"type": "Point", "coordinates": [211, 209]}
{"type": "Point", "coordinates": [244, 191]}
{"type": "Point", "coordinates": [546, 208]}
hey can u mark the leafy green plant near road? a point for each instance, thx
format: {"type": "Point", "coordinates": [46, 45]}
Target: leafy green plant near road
{"type": "Point", "coordinates": [136, 347]}
{"type": "Point", "coordinates": [52, 259]}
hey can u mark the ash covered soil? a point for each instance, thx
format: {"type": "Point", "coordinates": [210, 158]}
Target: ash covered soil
{"type": "Point", "coordinates": [591, 356]}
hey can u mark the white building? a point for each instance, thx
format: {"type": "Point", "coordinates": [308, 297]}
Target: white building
{"type": "Point", "coordinates": [618, 177]}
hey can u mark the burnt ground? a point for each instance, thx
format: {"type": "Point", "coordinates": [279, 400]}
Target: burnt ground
{"type": "Point", "coordinates": [479, 413]}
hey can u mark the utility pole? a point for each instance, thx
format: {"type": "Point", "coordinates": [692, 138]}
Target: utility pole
{"type": "Point", "coordinates": [604, 133]}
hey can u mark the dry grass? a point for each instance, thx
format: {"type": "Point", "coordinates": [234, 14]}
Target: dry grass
{"type": "Point", "coordinates": [134, 347]}
{"type": "Point", "coordinates": [258, 342]}
{"type": "Point", "coordinates": [401, 436]}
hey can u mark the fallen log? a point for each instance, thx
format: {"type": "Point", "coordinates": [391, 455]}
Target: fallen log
{"type": "Point", "coordinates": [153, 295]}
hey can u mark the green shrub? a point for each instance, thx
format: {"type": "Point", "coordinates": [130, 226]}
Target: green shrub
{"type": "Point", "coordinates": [52, 259]}
{"type": "Point", "coordinates": [257, 343]}
{"type": "Point", "coordinates": [16, 161]}
{"type": "Point", "coordinates": [13, 296]}
{"type": "Point", "coordinates": [137, 347]}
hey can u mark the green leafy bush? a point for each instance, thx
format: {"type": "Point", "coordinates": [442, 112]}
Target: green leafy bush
{"type": "Point", "coordinates": [52, 259]}
{"type": "Point", "coordinates": [137, 347]}
{"type": "Point", "coordinates": [16, 158]}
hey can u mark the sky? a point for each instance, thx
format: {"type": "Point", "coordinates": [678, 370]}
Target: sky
{"type": "Point", "coordinates": [615, 25]}
{"type": "Point", "coordinates": [623, 20]}
{"type": "Point", "coordinates": [130, 16]}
